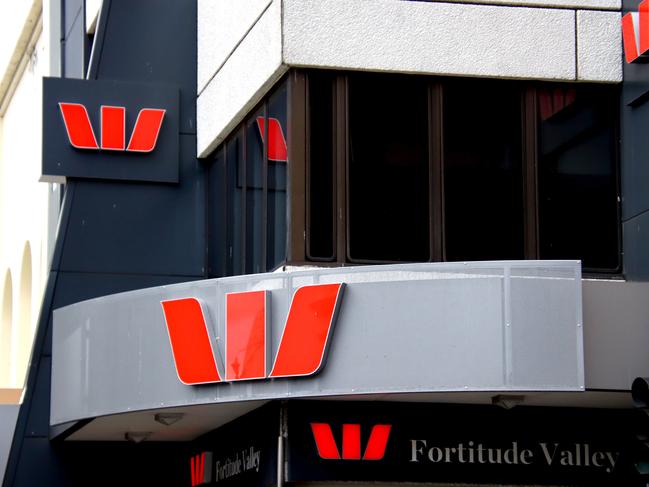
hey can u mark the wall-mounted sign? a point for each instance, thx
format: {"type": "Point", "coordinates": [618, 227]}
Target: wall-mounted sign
{"type": "Point", "coordinates": [302, 348]}
{"type": "Point", "coordinates": [241, 453]}
{"type": "Point", "coordinates": [110, 130]}
{"type": "Point", "coordinates": [459, 444]}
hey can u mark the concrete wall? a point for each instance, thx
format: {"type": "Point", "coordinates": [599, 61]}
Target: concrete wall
{"type": "Point", "coordinates": [28, 209]}
{"type": "Point", "coordinates": [17, 22]}
{"type": "Point", "coordinates": [573, 41]}
{"type": "Point", "coordinates": [234, 77]}
{"type": "Point", "coordinates": [616, 333]}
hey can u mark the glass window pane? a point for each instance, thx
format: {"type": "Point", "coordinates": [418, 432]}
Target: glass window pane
{"type": "Point", "coordinates": [320, 168]}
{"type": "Point", "coordinates": [235, 173]}
{"type": "Point", "coordinates": [388, 204]}
{"type": "Point", "coordinates": [216, 227]}
{"type": "Point", "coordinates": [578, 209]}
{"type": "Point", "coordinates": [483, 185]}
{"type": "Point", "coordinates": [276, 209]}
{"type": "Point", "coordinates": [254, 194]}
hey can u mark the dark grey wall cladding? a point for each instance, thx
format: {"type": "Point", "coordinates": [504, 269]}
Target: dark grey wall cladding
{"type": "Point", "coordinates": [634, 167]}
{"type": "Point", "coordinates": [117, 236]}
{"type": "Point", "coordinates": [140, 228]}
{"type": "Point", "coordinates": [160, 47]}
{"type": "Point", "coordinates": [635, 149]}
{"type": "Point", "coordinates": [636, 238]}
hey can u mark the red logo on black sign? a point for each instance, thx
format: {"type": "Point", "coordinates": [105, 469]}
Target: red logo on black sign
{"type": "Point", "coordinates": [351, 446]}
{"type": "Point", "coordinates": [113, 128]}
{"type": "Point", "coordinates": [199, 474]}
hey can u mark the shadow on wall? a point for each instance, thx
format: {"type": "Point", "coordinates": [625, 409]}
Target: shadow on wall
{"type": "Point", "coordinates": [16, 329]}
{"type": "Point", "coordinates": [24, 333]}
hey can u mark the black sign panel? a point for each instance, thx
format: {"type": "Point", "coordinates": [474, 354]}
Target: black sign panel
{"type": "Point", "coordinates": [110, 130]}
{"type": "Point", "coordinates": [241, 453]}
{"type": "Point", "coordinates": [459, 443]}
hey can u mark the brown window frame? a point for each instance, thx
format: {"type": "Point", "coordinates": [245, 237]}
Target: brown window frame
{"type": "Point", "coordinates": [299, 197]}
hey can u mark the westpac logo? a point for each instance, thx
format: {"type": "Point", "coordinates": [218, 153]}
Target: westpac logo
{"type": "Point", "coordinates": [112, 128]}
{"type": "Point", "coordinates": [351, 444]}
{"type": "Point", "coordinates": [199, 474]}
{"type": "Point", "coordinates": [302, 348]}
{"type": "Point", "coordinates": [277, 149]}
{"type": "Point", "coordinates": [635, 33]}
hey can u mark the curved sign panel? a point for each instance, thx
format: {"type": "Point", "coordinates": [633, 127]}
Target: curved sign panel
{"type": "Point", "coordinates": [488, 326]}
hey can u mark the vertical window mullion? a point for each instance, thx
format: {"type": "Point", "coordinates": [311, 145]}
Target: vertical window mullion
{"type": "Point", "coordinates": [335, 209]}
{"type": "Point", "coordinates": [307, 170]}
{"type": "Point", "coordinates": [342, 168]}
{"type": "Point", "coordinates": [530, 185]}
{"type": "Point", "coordinates": [244, 196]}
{"type": "Point", "coordinates": [436, 176]}
{"type": "Point", "coordinates": [226, 208]}
{"type": "Point", "coordinates": [224, 213]}
{"type": "Point", "coordinates": [264, 191]}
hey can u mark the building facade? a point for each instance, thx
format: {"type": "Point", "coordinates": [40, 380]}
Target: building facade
{"type": "Point", "coordinates": [308, 242]}
{"type": "Point", "coordinates": [28, 208]}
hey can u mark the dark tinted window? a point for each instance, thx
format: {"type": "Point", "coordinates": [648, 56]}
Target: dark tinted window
{"type": "Point", "coordinates": [236, 169]}
{"type": "Point", "coordinates": [254, 194]}
{"type": "Point", "coordinates": [276, 211]}
{"type": "Point", "coordinates": [483, 187]}
{"type": "Point", "coordinates": [248, 193]}
{"type": "Point", "coordinates": [217, 223]}
{"type": "Point", "coordinates": [388, 206]}
{"type": "Point", "coordinates": [577, 145]}
{"type": "Point", "coordinates": [399, 168]}
{"type": "Point", "coordinates": [320, 167]}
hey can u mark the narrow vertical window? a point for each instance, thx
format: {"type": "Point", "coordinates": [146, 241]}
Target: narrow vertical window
{"type": "Point", "coordinates": [254, 195]}
{"type": "Point", "coordinates": [217, 216]}
{"type": "Point", "coordinates": [483, 185]}
{"type": "Point", "coordinates": [275, 132]}
{"type": "Point", "coordinates": [236, 176]}
{"type": "Point", "coordinates": [320, 168]}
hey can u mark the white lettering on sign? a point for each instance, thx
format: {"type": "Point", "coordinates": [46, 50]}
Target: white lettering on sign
{"type": "Point", "coordinates": [551, 454]}
{"type": "Point", "coordinates": [243, 461]}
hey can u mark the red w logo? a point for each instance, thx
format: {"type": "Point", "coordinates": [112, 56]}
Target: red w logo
{"type": "Point", "coordinates": [635, 32]}
{"type": "Point", "coordinates": [113, 128]}
{"type": "Point", "coordinates": [276, 141]}
{"type": "Point", "coordinates": [328, 450]}
{"type": "Point", "coordinates": [200, 474]}
{"type": "Point", "coordinates": [301, 351]}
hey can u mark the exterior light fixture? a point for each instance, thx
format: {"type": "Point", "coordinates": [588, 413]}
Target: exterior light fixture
{"type": "Point", "coordinates": [507, 401]}
{"type": "Point", "coordinates": [137, 436]}
{"type": "Point", "coordinates": [168, 418]}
